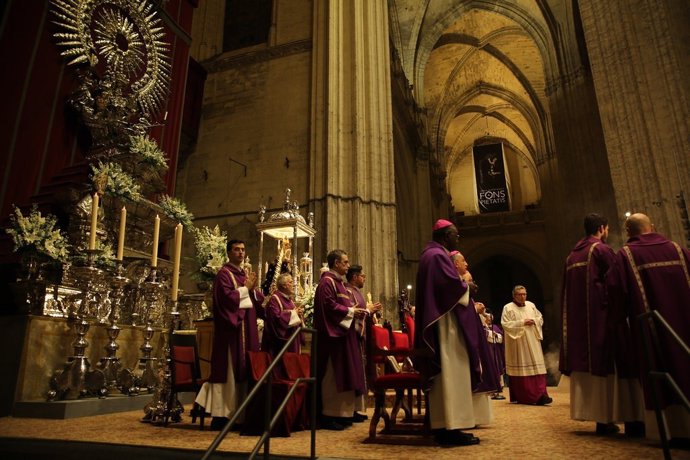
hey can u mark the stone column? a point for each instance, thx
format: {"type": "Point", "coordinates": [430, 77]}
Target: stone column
{"type": "Point", "coordinates": [638, 53]}
{"type": "Point", "coordinates": [352, 186]}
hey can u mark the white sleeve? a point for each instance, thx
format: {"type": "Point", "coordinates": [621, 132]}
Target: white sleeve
{"type": "Point", "coordinates": [294, 319]}
{"type": "Point", "coordinates": [245, 300]}
{"type": "Point", "coordinates": [347, 321]}
{"type": "Point", "coordinates": [465, 299]}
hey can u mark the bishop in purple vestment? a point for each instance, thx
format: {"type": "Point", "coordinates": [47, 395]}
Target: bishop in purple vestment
{"type": "Point", "coordinates": [447, 322]}
{"type": "Point", "coordinates": [655, 275]}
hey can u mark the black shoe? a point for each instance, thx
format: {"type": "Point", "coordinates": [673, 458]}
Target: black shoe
{"type": "Point", "coordinates": [544, 400]}
{"type": "Point", "coordinates": [344, 421]}
{"type": "Point", "coordinates": [607, 428]}
{"type": "Point", "coordinates": [218, 423]}
{"type": "Point", "coordinates": [679, 443]}
{"type": "Point", "coordinates": [634, 429]}
{"type": "Point", "coordinates": [358, 418]}
{"type": "Point", "coordinates": [451, 438]}
{"type": "Point", "coordinates": [330, 424]}
{"type": "Point", "coordinates": [498, 396]}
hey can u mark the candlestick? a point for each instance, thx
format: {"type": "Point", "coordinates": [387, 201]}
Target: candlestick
{"type": "Point", "coordinates": [121, 236]}
{"type": "Point", "coordinates": [156, 230]}
{"type": "Point", "coordinates": [94, 221]}
{"type": "Point", "coordinates": [176, 262]}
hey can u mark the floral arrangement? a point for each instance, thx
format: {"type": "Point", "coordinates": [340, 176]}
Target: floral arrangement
{"type": "Point", "coordinates": [37, 233]}
{"type": "Point", "coordinates": [177, 210]}
{"type": "Point", "coordinates": [211, 251]}
{"type": "Point", "coordinates": [307, 302]}
{"type": "Point", "coordinates": [104, 259]}
{"type": "Point", "coordinates": [148, 150]}
{"type": "Point", "coordinates": [114, 181]}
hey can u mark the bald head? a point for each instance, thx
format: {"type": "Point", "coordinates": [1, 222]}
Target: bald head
{"type": "Point", "coordinates": [638, 224]}
{"type": "Point", "coordinates": [459, 262]}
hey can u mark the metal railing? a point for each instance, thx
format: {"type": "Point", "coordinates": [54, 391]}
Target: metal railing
{"type": "Point", "coordinates": [269, 422]}
{"type": "Point", "coordinates": [650, 340]}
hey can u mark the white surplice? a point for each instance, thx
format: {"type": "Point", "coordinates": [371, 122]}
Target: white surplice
{"type": "Point", "coordinates": [452, 405]}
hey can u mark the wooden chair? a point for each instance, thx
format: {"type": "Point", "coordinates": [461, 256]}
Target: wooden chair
{"type": "Point", "coordinates": [295, 415]}
{"type": "Point", "coordinates": [385, 375]}
{"type": "Point", "coordinates": [187, 370]}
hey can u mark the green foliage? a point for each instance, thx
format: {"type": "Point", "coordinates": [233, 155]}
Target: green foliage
{"type": "Point", "coordinates": [115, 181]}
{"type": "Point", "coordinates": [147, 149]}
{"type": "Point", "coordinates": [177, 210]}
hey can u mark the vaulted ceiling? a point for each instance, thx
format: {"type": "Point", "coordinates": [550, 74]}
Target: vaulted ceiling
{"type": "Point", "coordinates": [480, 70]}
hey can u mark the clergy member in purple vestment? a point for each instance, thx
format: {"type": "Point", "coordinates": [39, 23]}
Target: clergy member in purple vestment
{"type": "Point", "coordinates": [494, 335]}
{"type": "Point", "coordinates": [654, 275]}
{"type": "Point", "coordinates": [235, 306]}
{"type": "Point", "coordinates": [355, 282]}
{"type": "Point", "coordinates": [491, 382]}
{"type": "Point", "coordinates": [282, 318]}
{"type": "Point", "coordinates": [601, 390]}
{"type": "Point", "coordinates": [522, 323]}
{"type": "Point", "coordinates": [448, 329]}
{"type": "Point", "coordinates": [339, 361]}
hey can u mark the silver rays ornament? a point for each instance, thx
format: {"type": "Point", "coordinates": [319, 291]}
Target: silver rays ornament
{"type": "Point", "coordinates": [126, 35]}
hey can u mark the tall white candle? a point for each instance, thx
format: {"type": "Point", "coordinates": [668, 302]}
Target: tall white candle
{"type": "Point", "coordinates": [94, 221]}
{"type": "Point", "coordinates": [176, 262]}
{"type": "Point", "coordinates": [121, 236]}
{"type": "Point", "coordinates": [156, 230]}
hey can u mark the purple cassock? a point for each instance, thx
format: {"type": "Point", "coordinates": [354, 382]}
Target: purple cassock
{"type": "Point", "coordinates": [277, 329]}
{"type": "Point", "coordinates": [498, 350]}
{"type": "Point", "coordinates": [234, 329]}
{"type": "Point", "coordinates": [331, 306]}
{"type": "Point", "coordinates": [654, 275]}
{"type": "Point", "coordinates": [439, 288]}
{"type": "Point", "coordinates": [594, 334]}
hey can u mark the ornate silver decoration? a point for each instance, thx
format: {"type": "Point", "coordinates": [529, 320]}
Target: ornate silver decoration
{"type": "Point", "coordinates": [76, 379]}
{"type": "Point", "coordinates": [127, 35]}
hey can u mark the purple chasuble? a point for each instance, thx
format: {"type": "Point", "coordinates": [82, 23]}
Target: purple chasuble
{"type": "Point", "coordinates": [276, 326]}
{"type": "Point", "coordinates": [357, 302]}
{"type": "Point", "coordinates": [234, 329]}
{"type": "Point", "coordinates": [654, 275]}
{"type": "Point", "coordinates": [590, 325]}
{"type": "Point", "coordinates": [439, 289]}
{"type": "Point", "coordinates": [331, 306]}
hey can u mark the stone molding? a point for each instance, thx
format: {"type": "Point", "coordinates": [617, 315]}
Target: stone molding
{"type": "Point", "coordinates": [226, 62]}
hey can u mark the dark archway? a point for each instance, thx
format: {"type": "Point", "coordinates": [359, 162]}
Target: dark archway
{"type": "Point", "coordinates": [496, 277]}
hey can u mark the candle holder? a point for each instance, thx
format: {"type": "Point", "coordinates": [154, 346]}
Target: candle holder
{"type": "Point", "coordinates": [165, 407]}
{"type": "Point", "coordinates": [76, 379]}
{"type": "Point", "coordinates": [144, 375]}
{"type": "Point", "coordinates": [110, 364]}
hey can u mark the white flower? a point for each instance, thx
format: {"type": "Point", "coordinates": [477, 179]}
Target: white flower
{"type": "Point", "coordinates": [176, 210]}
{"type": "Point", "coordinates": [148, 149]}
{"type": "Point", "coordinates": [211, 251]}
{"type": "Point", "coordinates": [117, 182]}
{"type": "Point", "coordinates": [36, 232]}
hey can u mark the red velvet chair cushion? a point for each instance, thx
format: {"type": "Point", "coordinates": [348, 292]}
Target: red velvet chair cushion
{"type": "Point", "coordinates": [409, 321]}
{"type": "Point", "coordinates": [402, 341]}
{"type": "Point", "coordinates": [381, 342]}
{"type": "Point", "coordinates": [185, 360]}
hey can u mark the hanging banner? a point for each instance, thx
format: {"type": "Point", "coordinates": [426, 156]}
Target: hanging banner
{"type": "Point", "coordinates": [490, 174]}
